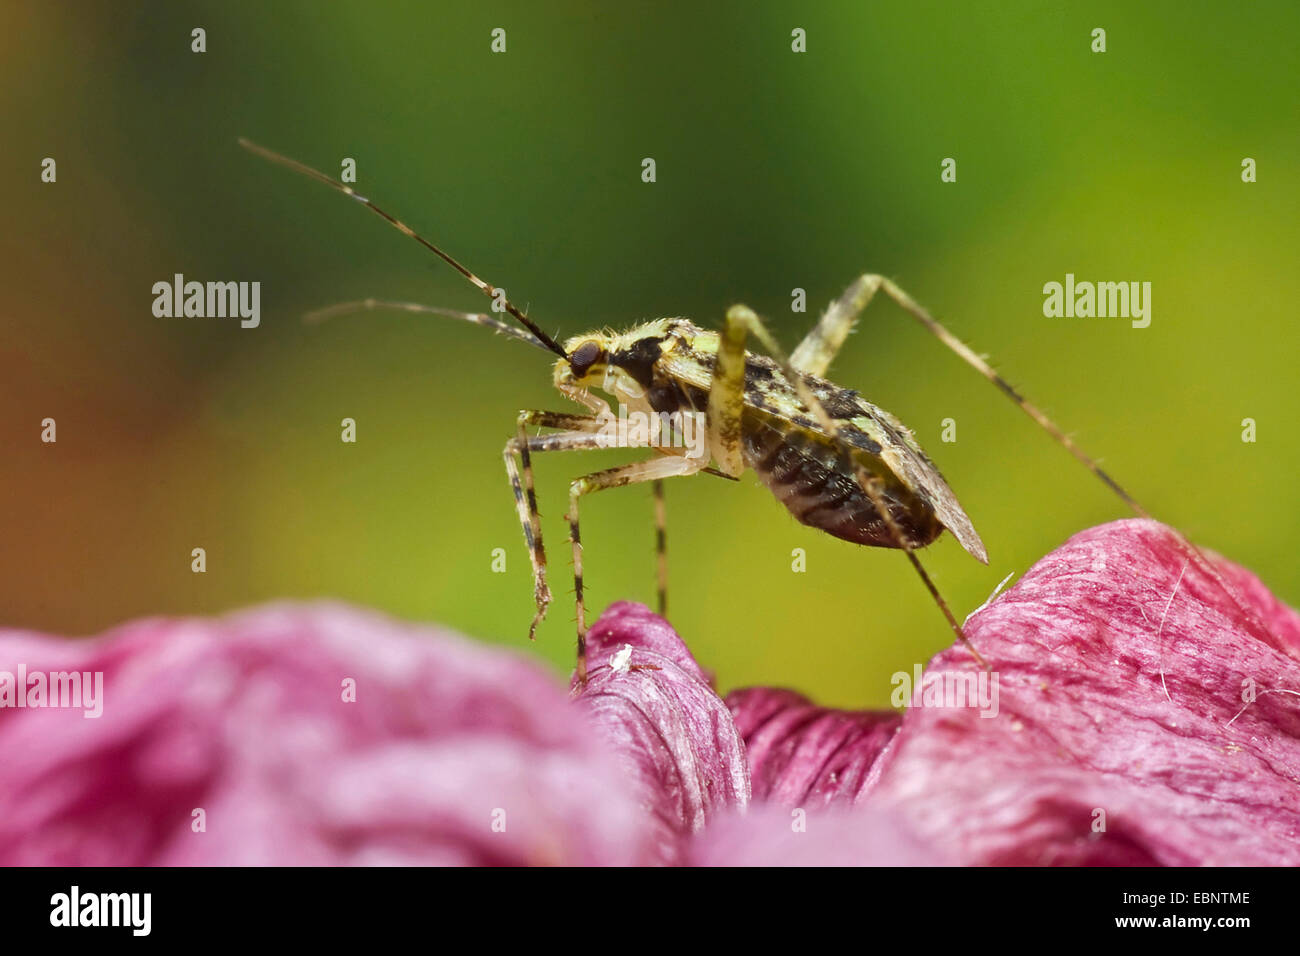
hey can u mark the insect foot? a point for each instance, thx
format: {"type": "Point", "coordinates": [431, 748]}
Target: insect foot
{"type": "Point", "coordinates": [542, 598]}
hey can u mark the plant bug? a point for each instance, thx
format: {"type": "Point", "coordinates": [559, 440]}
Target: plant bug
{"type": "Point", "coordinates": [834, 460]}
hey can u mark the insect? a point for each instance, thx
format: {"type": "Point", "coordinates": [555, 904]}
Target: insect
{"type": "Point", "coordinates": [834, 460]}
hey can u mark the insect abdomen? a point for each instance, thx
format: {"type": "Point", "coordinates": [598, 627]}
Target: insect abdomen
{"type": "Point", "coordinates": [816, 483]}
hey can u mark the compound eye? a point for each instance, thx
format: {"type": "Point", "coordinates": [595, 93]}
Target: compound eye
{"type": "Point", "coordinates": [584, 357]}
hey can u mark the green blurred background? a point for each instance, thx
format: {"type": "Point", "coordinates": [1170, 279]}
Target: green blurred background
{"type": "Point", "coordinates": [775, 170]}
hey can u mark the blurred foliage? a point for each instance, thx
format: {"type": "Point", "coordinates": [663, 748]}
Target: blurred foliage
{"type": "Point", "coordinates": [776, 170]}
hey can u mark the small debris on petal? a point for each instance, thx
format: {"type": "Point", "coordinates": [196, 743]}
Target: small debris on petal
{"type": "Point", "coordinates": [621, 662]}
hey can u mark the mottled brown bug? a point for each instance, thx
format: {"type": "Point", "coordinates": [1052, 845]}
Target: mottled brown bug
{"type": "Point", "coordinates": [834, 460]}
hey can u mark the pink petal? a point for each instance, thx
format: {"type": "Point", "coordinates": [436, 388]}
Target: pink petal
{"type": "Point", "coordinates": [776, 836]}
{"type": "Point", "coordinates": [802, 755]}
{"type": "Point", "coordinates": [1121, 664]}
{"type": "Point", "coordinates": [674, 736]}
{"type": "Point", "coordinates": [244, 718]}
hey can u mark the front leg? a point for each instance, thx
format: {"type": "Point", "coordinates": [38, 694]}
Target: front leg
{"type": "Point", "coordinates": [580, 432]}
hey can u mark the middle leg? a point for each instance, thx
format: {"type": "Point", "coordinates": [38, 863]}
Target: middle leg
{"type": "Point", "coordinates": [661, 547]}
{"type": "Point", "coordinates": [654, 470]}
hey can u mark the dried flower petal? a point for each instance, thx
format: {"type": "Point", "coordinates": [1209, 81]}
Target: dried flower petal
{"type": "Point", "coordinates": [1122, 736]}
{"type": "Point", "coordinates": [1145, 710]}
{"type": "Point", "coordinates": [452, 752]}
{"type": "Point", "coordinates": [802, 755]}
{"type": "Point", "coordinates": [669, 728]}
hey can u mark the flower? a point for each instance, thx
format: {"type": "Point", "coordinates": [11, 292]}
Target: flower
{"type": "Point", "coordinates": [1142, 706]}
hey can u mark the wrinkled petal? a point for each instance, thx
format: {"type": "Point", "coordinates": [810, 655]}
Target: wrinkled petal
{"type": "Point", "coordinates": [802, 755]}
{"type": "Point", "coordinates": [775, 836]}
{"type": "Point", "coordinates": [657, 711]}
{"type": "Point", "coordinates": [1141, 708]}
{"type": "Point", "coordinates": [1121, 735]}
{"type": "Point", "coordinates": [452, 752]}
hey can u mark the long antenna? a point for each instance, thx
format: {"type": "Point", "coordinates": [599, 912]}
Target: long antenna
{"type": "Point", "coordinates": [487, 288]}
{"type": "Point", "coordinates": [371, 305]}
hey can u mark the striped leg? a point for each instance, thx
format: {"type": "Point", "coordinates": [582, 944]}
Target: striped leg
{"type": "Point", "coordinates": [655, 469]}
{"type": "Point", "coordinates": [909, 305]}
{"type": "Point", "coordinates": [661, 547]}
{"type": "Point", "coordinates": [820, 346]}
{"type": "Point", "coordinates": [580, 432]}
{"type": "Point", "coordinates": [814, 354]}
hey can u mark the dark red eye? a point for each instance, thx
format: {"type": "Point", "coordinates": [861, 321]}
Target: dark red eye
{"type": "Point", "coordinates": [584, 357]}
